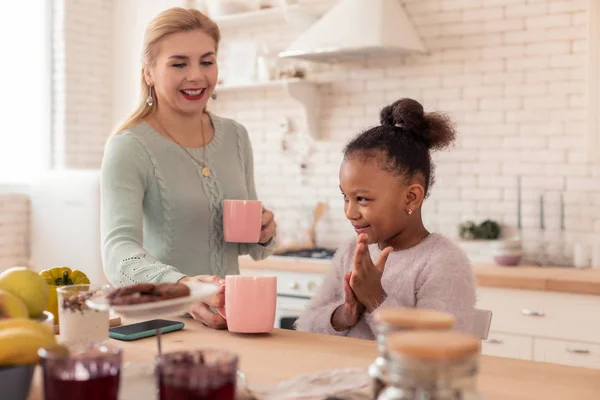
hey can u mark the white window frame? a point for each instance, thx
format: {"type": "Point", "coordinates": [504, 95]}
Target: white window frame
{"type": "Point", "coordinates": [45, 117]}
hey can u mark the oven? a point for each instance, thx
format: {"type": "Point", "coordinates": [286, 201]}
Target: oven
{"type": "Point", "coordinates": [294, 291]}
{"type": "Point", "coordinates": [289, 308]}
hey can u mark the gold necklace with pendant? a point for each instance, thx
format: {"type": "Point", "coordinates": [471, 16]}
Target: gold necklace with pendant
{"type": "Point", "coordinates": [205, 170]}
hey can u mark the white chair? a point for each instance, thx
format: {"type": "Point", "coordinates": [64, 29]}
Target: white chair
{"type": "Point", "coordinates": [481, 326]}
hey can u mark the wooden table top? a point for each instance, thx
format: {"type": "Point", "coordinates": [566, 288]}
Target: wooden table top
{"type": "Point", "coordinates": [271, 358]}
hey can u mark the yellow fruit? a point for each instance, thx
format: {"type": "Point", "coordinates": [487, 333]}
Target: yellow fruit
{"type": "Point", "coordinates": [20, 345]}
{"type": "Point", "coordinates": [28, 286]}
{"type": "Point", "coordinates": [60, 276]}
{"type": "Point", "coordinates": [11, 306]}
{"type": "Point", "coordinates": [24, 323]}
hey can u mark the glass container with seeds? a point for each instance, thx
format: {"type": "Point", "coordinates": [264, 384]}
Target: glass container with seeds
{"type": "Point", "coordinates": [432, 365]}
{"type": "Point", "coordinates": [79, 324]}
{"type": "Point", "coordinates": [397, 319]}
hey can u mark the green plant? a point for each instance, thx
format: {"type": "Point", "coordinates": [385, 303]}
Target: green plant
{"type": "Point", "coordinates": [467, 230]}
{"type": "Point", "coordinates": [487, 230]}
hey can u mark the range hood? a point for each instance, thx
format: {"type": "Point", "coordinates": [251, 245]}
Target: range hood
{"type": "Point", "coordinates": [355, 28]}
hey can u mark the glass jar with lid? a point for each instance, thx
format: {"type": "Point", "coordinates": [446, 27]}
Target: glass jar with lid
{"type": "Point", "coordinates": [432, 365]}
{"type": "Point", "coordinates": [399, 319]}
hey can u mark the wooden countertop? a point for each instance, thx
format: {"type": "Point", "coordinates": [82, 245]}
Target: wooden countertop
{"type": "Point", "coordinates": [554, 279]}
{"type": "Point", "coordinates": [285, 354]}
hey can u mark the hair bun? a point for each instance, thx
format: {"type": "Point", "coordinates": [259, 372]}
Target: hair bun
{"type": "Point", "coordinates": [436, 130]}
{"type": "Point", "coordinates": [407, 114]}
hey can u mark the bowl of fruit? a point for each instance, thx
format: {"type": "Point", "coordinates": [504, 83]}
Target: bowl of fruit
{"type": "Point", "coordinates": [24, 328]}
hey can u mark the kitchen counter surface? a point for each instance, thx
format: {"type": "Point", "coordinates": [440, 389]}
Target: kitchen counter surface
{"type": "Point", "coordinates": [553, 279]}
{"type": "Point", "coordinates": [284, 354]}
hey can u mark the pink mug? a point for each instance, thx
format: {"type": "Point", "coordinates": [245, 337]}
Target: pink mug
{"type": "Point", "coordinates": [242, 220]}
{"type": "Point", "coordinates": [250, 303]}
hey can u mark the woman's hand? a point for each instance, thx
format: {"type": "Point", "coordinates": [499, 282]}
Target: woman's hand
{"type": "Point", "coordinates": [365, 280]}
{"type": "Point", "coordinates": [268, 227]}
{"type": "Point", "coordinates": [201, 311]}
{"type": "Point", "coordinates": [348, 314]}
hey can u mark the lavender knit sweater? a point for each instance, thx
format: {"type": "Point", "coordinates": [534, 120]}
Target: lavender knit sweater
{"type": "Point", "coordinates": [434, 274]}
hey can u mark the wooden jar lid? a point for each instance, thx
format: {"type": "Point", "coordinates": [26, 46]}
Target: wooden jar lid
{"type": "Point", "coordinates": [414, 318]}
{"type": "Point", "coordinates": [427, 345]}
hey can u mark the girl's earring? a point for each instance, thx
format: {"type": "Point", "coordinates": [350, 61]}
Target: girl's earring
{"type": "Point", "coordinates": [409, 211]}
{"type": "Point", "coordinates": [213, 95]}
{"type": "Point", "coordinates": [150, 99]}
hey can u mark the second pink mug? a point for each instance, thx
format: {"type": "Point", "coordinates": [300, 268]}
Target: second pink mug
{"type": "Point", "coordinates": [250, 303]}
{"type": "Point", "coordinates": [242, 220]}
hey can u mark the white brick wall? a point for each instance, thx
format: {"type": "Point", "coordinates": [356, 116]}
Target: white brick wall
{"type": "Point", "coordinates": [510, 72]}
{"type": "Point", "coordinates": [14, 230]}
{"type": "Point", "coordinates": [82, 80]}
{"type": "Point", "coordinates": [511, 75]}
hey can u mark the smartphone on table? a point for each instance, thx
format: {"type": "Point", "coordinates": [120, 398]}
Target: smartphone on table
{"type": "Point", "coordinates": [144, 329]}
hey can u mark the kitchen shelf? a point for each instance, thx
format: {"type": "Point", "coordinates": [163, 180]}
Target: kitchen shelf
{"type": "Point", "coordinates": [266, 16]}
{"type": "Point", "coordinates": [303, 91]}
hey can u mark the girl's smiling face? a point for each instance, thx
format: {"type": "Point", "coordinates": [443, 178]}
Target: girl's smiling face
{"type": "Point", "coordinates": [376, 201]}
{"type": "Point", "coordinates": [372, 199]}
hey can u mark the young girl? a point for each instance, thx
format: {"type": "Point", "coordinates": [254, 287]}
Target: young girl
{"type": "Point", "coordinates": [386, 174]}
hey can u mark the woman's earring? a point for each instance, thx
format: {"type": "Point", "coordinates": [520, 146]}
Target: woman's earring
{"type": "Point", "coordinates": [150, 99]}
{"type": "Point", "coordinates": [409, 211]}
{"type": "Point", "coordinates": [213, 95]}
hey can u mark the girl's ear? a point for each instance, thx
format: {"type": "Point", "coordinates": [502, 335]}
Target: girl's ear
{"type": "Point", "coordinates": [415, 194]}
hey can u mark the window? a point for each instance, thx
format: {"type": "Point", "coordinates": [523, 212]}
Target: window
{"type": "Point", "coordinates": [25, 90]}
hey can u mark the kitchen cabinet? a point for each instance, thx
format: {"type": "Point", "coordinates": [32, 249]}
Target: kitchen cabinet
{"type": "Point", "coordinates": [508, 345]}
{"type": "Point", "coordinates": [542, 326]}
{"type": "Point", "coordinates": [568, 353]}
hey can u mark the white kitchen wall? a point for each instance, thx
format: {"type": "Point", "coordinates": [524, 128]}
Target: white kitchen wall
{"type": "Point", "coordinates": [510, 72]}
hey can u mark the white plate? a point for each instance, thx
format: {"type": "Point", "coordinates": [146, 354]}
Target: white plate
{"type": "Point", "coordinates": [199, 291]}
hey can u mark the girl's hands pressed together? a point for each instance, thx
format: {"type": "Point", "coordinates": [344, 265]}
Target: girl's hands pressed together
{"type": "Point", "coordinates": [352, 308]}
{"type": "Point", "coordinates": [365, 279]}
{"type": "Point", "coordinates": [348, 314]}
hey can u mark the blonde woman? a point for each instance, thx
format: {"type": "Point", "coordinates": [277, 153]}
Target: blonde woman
{"type": "Point", "coordinates": [167, 169]}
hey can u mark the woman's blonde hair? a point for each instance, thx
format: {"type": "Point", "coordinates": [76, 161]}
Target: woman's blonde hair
{"type": "Point", "coordinates": [173, 20]}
